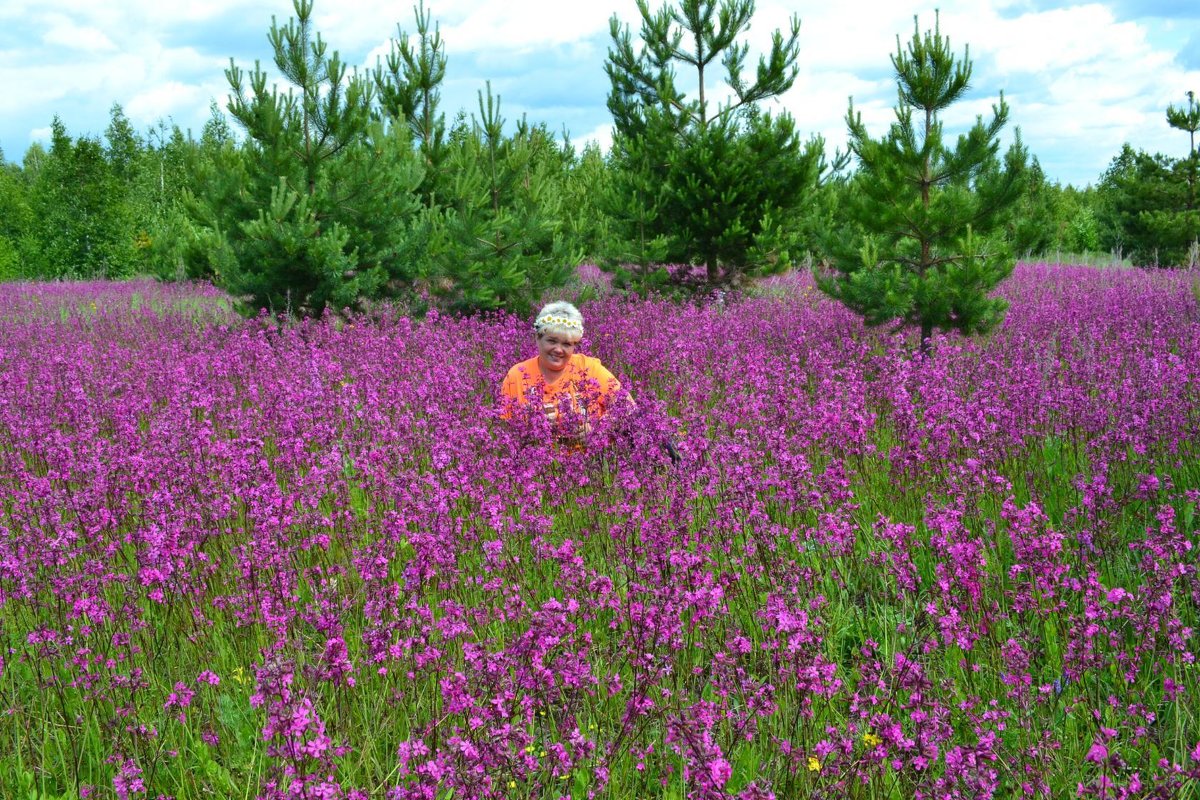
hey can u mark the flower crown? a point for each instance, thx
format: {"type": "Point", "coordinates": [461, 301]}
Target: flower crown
{"type": "Point", "coordinates": [561, 322]}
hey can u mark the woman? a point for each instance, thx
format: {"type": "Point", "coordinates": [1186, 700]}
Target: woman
{"type": "Point", "coordinates": [564, 381]}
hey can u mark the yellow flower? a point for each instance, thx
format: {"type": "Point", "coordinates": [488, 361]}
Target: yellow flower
{"type": "Point", "coordinates": [512, 784]}
{"type": "Point", "coordinates": [813, 764]}
{"type": "Point", "coordinates": [872, 740]}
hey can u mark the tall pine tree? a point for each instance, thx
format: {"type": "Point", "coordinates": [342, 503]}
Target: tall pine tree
{"type": "Point", "coordinates": [497, 236]}
{"type": "Point", "coordinates": [928, 245]}
{"type": "Point", "coordinates": [410, 92]}
{"type": "Point", "coordinates": [1188, 120]}
{"type": "Point", "coordinates": [698, 182]}
{"type": "Point", "coordinates": [322, 194]}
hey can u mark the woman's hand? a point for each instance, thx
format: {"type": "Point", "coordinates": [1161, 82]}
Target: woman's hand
{"type": "Point", "coordinates": [582, 429]}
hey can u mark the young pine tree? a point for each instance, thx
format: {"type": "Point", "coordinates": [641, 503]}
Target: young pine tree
{"type": "Point", "coordinates": [410, 93]}
{"type": "Point", "coordinates": [694, 184]}
{"type": "Point", "coordinates": [1188, 120]}
{"type": "Point", "coordinates": [1150, 204]}
{"type": "Point", "coordinates": [585, 183]}
{"type": "Point", "coordinates": [928, 243]}
{"type": "Point", "coordinates": [491, 224]}
{"type": "Point", "coordinates": [497, 238]}
{"type": "Point", "coordinates": [321, 195]}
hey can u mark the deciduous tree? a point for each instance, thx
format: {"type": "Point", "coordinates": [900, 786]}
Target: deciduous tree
{"type": "Point", "coordinates": [15, 222]}
{"type": "Point", "coordinates": [81, 226]}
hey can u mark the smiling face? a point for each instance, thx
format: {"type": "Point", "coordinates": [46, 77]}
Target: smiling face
{"type": "Point", "coordinates": [555, 349]}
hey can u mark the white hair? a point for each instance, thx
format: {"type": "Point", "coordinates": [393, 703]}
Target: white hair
{"type": "Point", "coordinates": [560, 318]}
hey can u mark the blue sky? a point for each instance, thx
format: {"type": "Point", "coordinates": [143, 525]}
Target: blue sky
{"type": "Point", "coordinates": [1081, 79]}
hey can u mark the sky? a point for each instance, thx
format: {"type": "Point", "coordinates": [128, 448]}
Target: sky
{"type": "Point", "coordinates": [1080, 79]}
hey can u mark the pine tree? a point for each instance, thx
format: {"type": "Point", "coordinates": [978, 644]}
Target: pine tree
{"type": "Point", "coordinates": [697, 185]}
{"type": "Point", "coordinates": [410, 93]}
{"type": "Point", "coordinates": [1149, 201]}
{"type": "Point", "coordinates": [323, 192]}
{"type": "Point", "coordinates": [497, 241]}
{"type": "Point", "coordinates": [933, 216]}
{"type": "Point", "coordinates": [1188, 119]}
{"type": "Point", "coordinates": [586, 182]}
{"type": "Point", "coordinates": [217, 202]}
{"type": "Point", "coordinates": [1031, 228]}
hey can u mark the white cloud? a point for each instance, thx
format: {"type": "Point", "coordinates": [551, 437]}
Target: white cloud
{"type": "Point", "coordinates": [601, 135]}
{"type": "Point", "coordinates": [1080, 81]}
{"type": "Point", "coordinates": [65, 33]}
{"type": "Point", "coordinates": [166, 100]}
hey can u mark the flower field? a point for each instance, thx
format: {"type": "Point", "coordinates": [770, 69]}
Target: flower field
{"type": "Point", "coordinates": [313, 562]}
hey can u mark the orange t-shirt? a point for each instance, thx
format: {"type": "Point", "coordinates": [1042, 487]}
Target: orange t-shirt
{"type": "Point", "coordinates": [576, 380]}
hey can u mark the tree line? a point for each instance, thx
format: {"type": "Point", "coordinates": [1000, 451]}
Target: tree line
{"type": "Point", "coordinates": [318, 187]}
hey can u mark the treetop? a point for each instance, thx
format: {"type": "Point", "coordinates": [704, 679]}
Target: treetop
{"type": "Point", "coordinates": [928, 75]}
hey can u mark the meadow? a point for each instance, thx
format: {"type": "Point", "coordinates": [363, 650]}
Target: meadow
{"type": "Point", "coordinates": [239, 559]}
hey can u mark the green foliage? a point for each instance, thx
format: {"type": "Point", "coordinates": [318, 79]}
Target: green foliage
{"type": "Point", "coordinates": [934, 244]}
{"type": "Point", "coordinates": [1145, 208]}
{"type": "Point", "coordinates": [1082, 233]}
{"type": "Point", "coordinates": [215, 201]}
{"type": "Point", "coordinates": [88, 209]}
{"type": "Point", "coordinates": [692, 185]}
{"type": "Point", "coordinates": [586, 182]}
{"type": "Point", "coordinates": [1188, 120]}
{"type": "Point", "coordinates": [1032, 226]}
{"type": "Point", "coordinates": [497, 241]}
{"type": "Point", "coordinates": [631, 199]}
{"type": "Point", "coordinates": [1050, 218]}
{"type": "Point", "coordinates": [124, 145]}
{"type": "Point", "coordinates": [81, 223]}
{"type": "Point", "coordinates": [410, 93]}
{"type": "Point", "coordinates": [491, 233]}
{"type": "Point", "coordinates": [315, 209]}
{"type": "Point", "coordinates": [16, 219]}
{"type": "Point", "coordinates": [1149, 209]}
{"type": "Point", "coordinates": [152, 173]}
{"type": "Point", "coordinates": [10, 260]}
{"type": "Point", "coordinates": [1188, 221]}
{"type": "Point", "coordinates": [161, 184]}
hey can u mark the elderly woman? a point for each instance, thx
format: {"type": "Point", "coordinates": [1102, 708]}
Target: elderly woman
{"type": "Point", "coordinates": [559, 377]}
